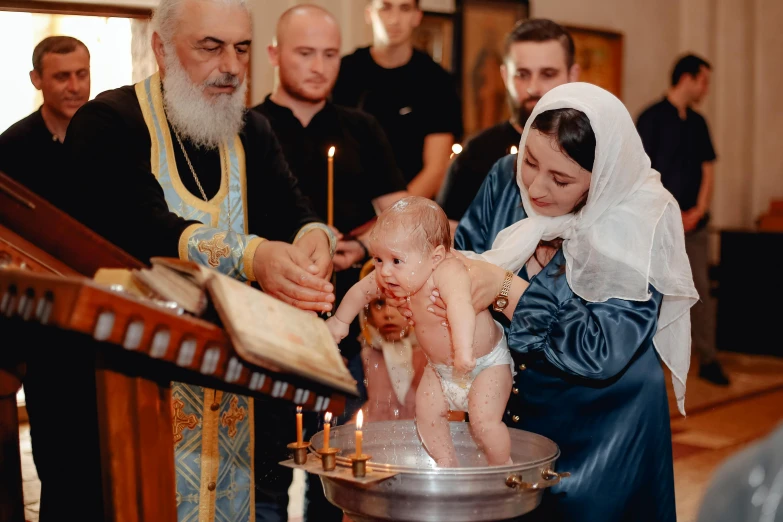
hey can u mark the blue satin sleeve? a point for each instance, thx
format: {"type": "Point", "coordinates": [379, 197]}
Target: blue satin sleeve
{"type": "Point", "coordinates": [590, 340]}
{"type": "Point", "coordinates": [498, 197]}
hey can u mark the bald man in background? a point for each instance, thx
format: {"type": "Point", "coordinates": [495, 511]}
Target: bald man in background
{"type": "Point", "coordinates": [306, 57]}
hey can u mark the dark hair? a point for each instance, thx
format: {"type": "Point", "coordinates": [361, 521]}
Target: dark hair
{"type": "Point", "coordinates": [415, 2]}
{"type": "Point", "coordinates": [689, 64]}
{"type": "Point", "coordinates": [574, 135]}
{"type": "Point", "coordinates": [541, 30]}
{"type": "Point", "coordinates": [57, 45]}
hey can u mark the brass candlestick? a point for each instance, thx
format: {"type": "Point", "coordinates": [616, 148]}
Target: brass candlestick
{"type": "Point", "coordinates": [328, 458]}
{"type": "Point", "coordinates": [299, 450]}
{"type": "Point", "coordinates": [359, 465]}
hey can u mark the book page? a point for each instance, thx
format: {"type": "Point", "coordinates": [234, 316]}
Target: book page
{"type": "Point", "coordinates": [267, 331]}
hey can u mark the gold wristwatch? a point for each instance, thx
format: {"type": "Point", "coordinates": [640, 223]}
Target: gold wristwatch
{"type": "Point", "coordinates": [501, 300]}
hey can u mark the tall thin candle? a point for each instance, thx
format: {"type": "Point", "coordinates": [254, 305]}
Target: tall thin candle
{"type": "Point", "coordinates": [359, 419]}
{"type": "Point", "coordinates": [299, 425]}
{"type": "Point", "coordinates": [330, 189]}
{"type": "Point", "coordinates": [327, 427]}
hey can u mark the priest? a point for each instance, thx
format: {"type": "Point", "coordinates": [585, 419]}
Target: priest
{"type": "Point", "coordinates": [176, 166]}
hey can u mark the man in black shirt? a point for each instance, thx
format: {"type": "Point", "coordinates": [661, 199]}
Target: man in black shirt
{"type": "Point", "coordinates": [411, 96]}
{"type": "Point", "coordinates": [306, 56]}
{"type": "Point", "coordinates": [677, 140]}
{"type": "Point", "coordinates": [539, 56]}
{"type": "Point", "coordinates": [31, 150]}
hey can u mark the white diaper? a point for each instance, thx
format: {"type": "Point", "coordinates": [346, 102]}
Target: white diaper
{"type": "Point", "coordinates": [456, 392]}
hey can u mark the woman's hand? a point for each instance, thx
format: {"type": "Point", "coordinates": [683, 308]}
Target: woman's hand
{"type": "Point", "coordinates": [486, 280]}
{"type": "Point", "coordinates": [403, 304]}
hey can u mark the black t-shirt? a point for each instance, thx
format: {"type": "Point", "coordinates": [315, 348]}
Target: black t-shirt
{"type": "Point", "coordinates": [469, 169]}
{"type": "Point", "coordinates": [364, 169]}
{"type": "Point", "coordinates": [108, 148]}
{"type": "Point", "coordinates": [31, 155]}
{"type": "Point", "coordinates": [364, 166]}
{"type": "Point", "coordinates": [410, 102]}
{"type": "Point", "coordinates": [677, 148]}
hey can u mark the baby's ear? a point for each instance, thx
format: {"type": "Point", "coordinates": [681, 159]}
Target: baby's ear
{"type": "Point", "coordinates": [438, 255]}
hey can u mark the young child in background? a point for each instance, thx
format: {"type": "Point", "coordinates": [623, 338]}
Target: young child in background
{"type": "Point", "coordinates": [393, 361]}
{"type": "Point", "coordinates": [470, 367]}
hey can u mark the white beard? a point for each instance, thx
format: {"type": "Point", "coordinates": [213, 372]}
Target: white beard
{"type": "Point", "coordinates": [205, 120]}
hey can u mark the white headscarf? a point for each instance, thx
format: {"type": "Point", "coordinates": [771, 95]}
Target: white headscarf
{"type": "Point", "coordinates": [628, 235]}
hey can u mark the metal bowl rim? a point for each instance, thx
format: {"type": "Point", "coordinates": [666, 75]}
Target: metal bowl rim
{"type": "Point", "coordinates": [486, 470]}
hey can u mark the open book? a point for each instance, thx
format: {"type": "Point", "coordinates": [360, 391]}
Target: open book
{"type": "Point", "coordinates": [263, 330]}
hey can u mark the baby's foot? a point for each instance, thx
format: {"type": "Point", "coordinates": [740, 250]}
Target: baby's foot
{"type": "Point", "coordinates": [447, 462]}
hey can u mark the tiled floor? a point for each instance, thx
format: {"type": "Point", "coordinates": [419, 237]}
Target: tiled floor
{"type": "Point", "coordinates": [720, 422]}
{"type": "Point", "coordinates": [30, 483]}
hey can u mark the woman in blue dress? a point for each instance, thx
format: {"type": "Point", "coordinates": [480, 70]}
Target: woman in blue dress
{"type": "Point", "coordinates": [600, 291]}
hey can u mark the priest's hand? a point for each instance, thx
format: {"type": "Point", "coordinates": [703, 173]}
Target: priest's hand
{"type": "Point", "coordinates": [284, 271]}
{"type": "Point", "coordinates": [315, 245]}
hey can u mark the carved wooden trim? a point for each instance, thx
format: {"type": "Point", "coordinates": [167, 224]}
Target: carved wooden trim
{"type": "Point", "coordinates": [74, 8]}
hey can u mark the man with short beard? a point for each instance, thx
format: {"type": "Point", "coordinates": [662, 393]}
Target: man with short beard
{"type": "Point", "coordinates": [306, 57]}
{"type": "Point", "coordinates": [176, 164]}
{"type": "Point", "coordinates": [539, 56]}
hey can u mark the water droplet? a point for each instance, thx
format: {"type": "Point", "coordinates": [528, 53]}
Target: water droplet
{"type": "Point", "coordinates": [756, 477]}
{"type": "Point", "coordinates": [759, 496]}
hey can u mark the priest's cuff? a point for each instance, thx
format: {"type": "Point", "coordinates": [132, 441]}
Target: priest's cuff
{"type": "Point", "coordinates": [226, 251]}
{"type": "Point", "coordinates": [319, 226]}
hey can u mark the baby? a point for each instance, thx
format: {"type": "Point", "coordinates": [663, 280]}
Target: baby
{"type": "Point", "coordinates": [470, 368]}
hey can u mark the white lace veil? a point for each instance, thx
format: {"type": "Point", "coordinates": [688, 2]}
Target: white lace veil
{"type": "Point", "coordinates": [628, 235]}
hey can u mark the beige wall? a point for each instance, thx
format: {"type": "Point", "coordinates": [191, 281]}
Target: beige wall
{"type": "Point", "coordinates": [767, 105]}
{"type": "Point", "coordinates": [745, 45]}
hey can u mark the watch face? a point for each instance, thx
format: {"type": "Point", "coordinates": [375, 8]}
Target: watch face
{"type": "Point", "coordinates": [501, 302]}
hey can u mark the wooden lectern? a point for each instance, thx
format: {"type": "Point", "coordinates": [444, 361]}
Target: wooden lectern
{"type": "Point", "coordinates": [135, 349]}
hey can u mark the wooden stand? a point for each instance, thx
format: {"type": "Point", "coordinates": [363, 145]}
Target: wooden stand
{"type": "Point", "coordinates": [11, 505]}
{"type": "Point", "coordinates": [113, 416]}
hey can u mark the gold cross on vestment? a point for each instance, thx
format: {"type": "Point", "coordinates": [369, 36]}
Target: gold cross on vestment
{"type": "Point", "coordinates": [215, 248]}
{"type": "Point", "coordinates": [232, 417]}
{"type": "Point", "coordinates": [180, 420]}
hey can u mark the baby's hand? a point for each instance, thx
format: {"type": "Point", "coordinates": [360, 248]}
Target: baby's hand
{"type": "Point", "coordinates": [337, 328]}
{"type": "Point", "coordinates": [463, 365]}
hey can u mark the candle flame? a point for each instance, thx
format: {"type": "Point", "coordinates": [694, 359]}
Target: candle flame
{"type": "Point", "coordinates": [456, 148]}
{"type": "Point", "coordinates": [513, 150]}
{"type": "Point", "coordinates": [331, 151]}
{"type": "Point", "coordinates": [328, 417]}
{"type": "Point", "coordinates": [359, 419]}
{"type": "Point", "coordinates": [298, 409]}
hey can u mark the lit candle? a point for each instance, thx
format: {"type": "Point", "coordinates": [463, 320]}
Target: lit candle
{"type": "Point", "coordinates": [359, 434]}
{"type": "Point", "coordinates": [513, 149]}
{"type": "Point", "coordinates": [330, 189]}
{"type": "Point", "coordinates": [299, 425]}
{"type": "Point", "coordinates": [327, 427]}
